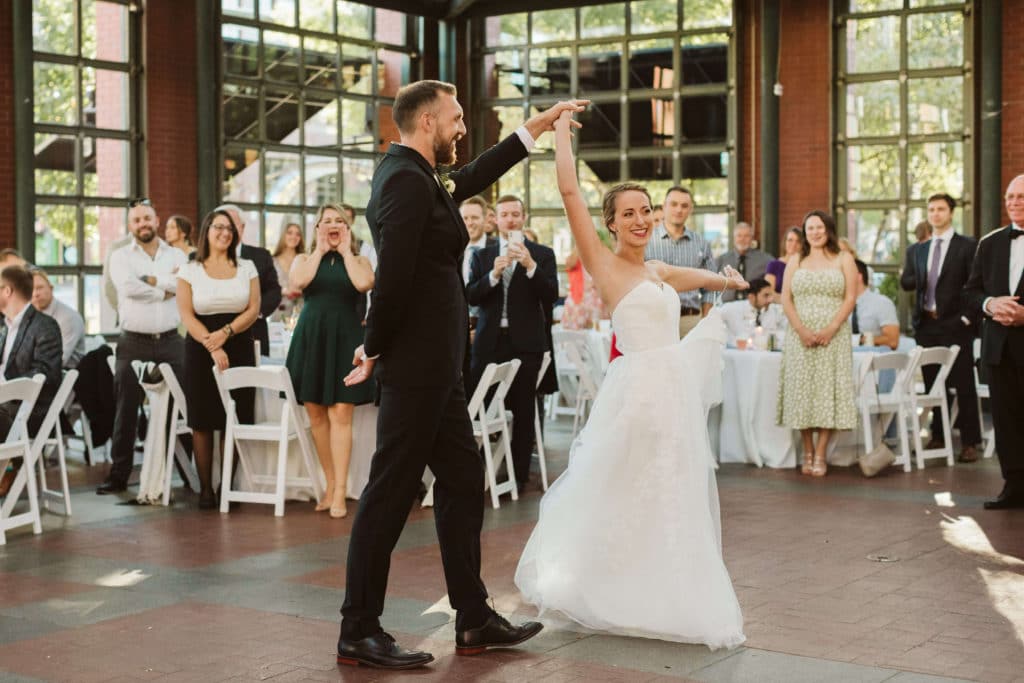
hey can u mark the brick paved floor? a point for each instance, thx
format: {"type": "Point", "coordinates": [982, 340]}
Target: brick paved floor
{"type": "Point", "coordinates": [129, 593]}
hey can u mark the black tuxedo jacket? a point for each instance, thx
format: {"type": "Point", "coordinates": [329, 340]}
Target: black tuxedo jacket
{"type": "Point", "coordinates": [990, 276]}
{"type": "Point", "coordinates": [270, 292]}
{"type": "Point", "coordinates": [528, 301]}
{"type": "Point", "coordinates": [956, 269]}
{"type": "Point", "coordinates": [419, 320]}
{"type": "Point", "coordinates": [37, 350]}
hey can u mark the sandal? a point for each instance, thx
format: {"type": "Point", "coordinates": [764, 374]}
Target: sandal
{"type": "Point", "coordinates": [820, 467]}
{"type": "Point", "coordinates": [807, 467]}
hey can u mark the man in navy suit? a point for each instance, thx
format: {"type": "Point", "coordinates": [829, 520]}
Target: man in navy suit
{"type": "Point", "coordinates": [937, 271]}
{"type": "Point", "coordinates": [513, 283]}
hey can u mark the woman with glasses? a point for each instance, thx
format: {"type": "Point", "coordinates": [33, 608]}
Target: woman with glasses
{"type": "Point", "coordinates": [219, 300]}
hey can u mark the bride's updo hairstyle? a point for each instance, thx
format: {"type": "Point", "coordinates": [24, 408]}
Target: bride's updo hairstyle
{"type": "Point", "coordinates": [608, 205]}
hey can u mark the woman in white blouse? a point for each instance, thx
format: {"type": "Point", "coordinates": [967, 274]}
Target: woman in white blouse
{"type": "Point", "coordinates": [219, 300]}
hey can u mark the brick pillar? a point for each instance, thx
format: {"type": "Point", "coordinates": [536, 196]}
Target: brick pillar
{"type": "Point", "coordinates": [7, 229]}
{"type": "Point", "coordinates": [1013, 105]}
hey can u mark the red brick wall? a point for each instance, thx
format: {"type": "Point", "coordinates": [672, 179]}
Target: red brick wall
{"type": "Point", "coordinates": [804, 110]}
{"type": "Point", "coordinates": [1013, 97]}
{"type": "Point", "coordinates": [169, 38]}
{"type": "Point", "coordinates": [7, 230]}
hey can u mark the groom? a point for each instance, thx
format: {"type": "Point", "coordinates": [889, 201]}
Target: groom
{"type": "Point", "coordinates": [418, 328]}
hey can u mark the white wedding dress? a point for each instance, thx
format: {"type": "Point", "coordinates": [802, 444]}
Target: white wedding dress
{"type": "Point", "coordinates": [629, 539]}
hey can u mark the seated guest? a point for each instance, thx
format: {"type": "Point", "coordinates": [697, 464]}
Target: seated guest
{"type": "Point", "coordinates": [753, 310]}
{"type": "Point", "coordinates": [218, 300]}
{"type": "Point", "coordinates": [874, 315]}
{"type": "Point", "coordinates": [290, 245]}
{"type": "Point", "coordinates": [72, 327]}
{"type": "Point", "coordinates": [750, 262]}
{"type": "Point", "coordinates": [776, 269]}
{"type": "Point", "coordinates": [30, 344]}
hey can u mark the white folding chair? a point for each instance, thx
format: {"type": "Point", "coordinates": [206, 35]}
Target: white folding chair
{"type": "Point", "coordinates": [578, 352]}
{"type": "Point", "coordinates": [491, 419]}
{"type": "Point", "coordinates": [888, 404]}
{"type": "Point", "coordinates": [291, 424]}
{"type": "Point", "coordinates": [983, 392]}
{"type": "Point", "coordinates": [50, 434]}
{"type": "Point", "coordinates": [538, 434]}
{"type": "Point", "coordinates": [179, 425]}
{"type": "Point", "coordinates": [922, 403]}
{"type": "Point", "coordinates": [563, 402]}
{"type": "Point", "coordinates": [18, 445]}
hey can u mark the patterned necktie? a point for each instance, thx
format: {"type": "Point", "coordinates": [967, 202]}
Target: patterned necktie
{"type": "Point", "coordinates": [741, 265]}
{"type": "Point", "coordinates": [933, 277]}
{"type": "Point", "coordinates": [506, 280]}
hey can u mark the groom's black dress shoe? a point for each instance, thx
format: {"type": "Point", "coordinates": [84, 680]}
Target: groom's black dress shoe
{"type": "Point", "coordinates": [1009, 499]}
{"type": "Point", "coordinates": [380, 650]}
{"type": "Point", "coordinates": [109, 487]}
{"type": "Point", "coordinates": [496, 632]}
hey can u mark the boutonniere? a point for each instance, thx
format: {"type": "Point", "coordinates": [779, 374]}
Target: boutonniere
{"type": "Point", "coordinates": [448, 184]}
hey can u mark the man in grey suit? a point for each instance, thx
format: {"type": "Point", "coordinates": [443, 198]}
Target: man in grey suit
{"type": "Point", "coordinates": [750, 262]}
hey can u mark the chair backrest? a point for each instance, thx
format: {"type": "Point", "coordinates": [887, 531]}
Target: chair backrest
{"type": "Point", "coordinates": [26, 391]}
{"type": "Point", "coordinates": [942, 356]}
{"type": "Point", "coordinates": [896, 361]}
{"type": "Point", "coordinates": [578, 352]}
{"type": "Point", "coordinates": [60, 399]}
{"type": "Point", "coordinates": [544, 363]}
{"type": "Point", "coordinates": [500, 377]}
{"type": "Point", "coordinates": [177, 393]}
{"type": "Point", "coordinates": [271, 377]}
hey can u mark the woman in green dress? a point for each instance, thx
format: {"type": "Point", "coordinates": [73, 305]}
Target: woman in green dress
{"type": "Point", "coordinates": [332, 279]}
{"type": "Point", "coordinates": [818, 295]}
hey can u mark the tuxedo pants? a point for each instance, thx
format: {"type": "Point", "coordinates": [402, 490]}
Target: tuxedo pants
{"type": "Point", "coordinates": [961, 378]}
{"type": "Point", "coordinates": [416, 428]}
{"type": "Point", "coordinates": [522, 401]}
{"type": "Point", "coordinates": [1006, 384]}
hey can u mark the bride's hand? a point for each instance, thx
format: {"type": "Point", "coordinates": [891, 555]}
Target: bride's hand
{"type": "Point", "coordinates": [565, 122]}
{"type": "Point", "coordinates": [735, 280]}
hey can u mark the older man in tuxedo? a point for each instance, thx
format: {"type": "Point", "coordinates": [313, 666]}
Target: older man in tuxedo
{"type": "Point", "coordinates": [937, 271]}
{"type": "Point", "coordinates": [995, 289]}
{"type": "Point", "coordinates": [750, 261]}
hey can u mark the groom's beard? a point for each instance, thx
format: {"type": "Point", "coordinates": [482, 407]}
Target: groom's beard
{"type": "Point", "coordinates": [444, 153]}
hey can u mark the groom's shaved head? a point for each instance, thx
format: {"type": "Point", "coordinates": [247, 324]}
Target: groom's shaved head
{"type": "Point", "coordinates": [412, 98]}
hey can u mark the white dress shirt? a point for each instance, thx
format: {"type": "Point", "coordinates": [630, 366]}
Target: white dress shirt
{"type": "Point", "coordinates": [1016, 261]}
{"type": "Point", "coordinates": [142, 307]}
{"type": "Point", "coordinates": [944, 239]}
{"type": "Point", "coordinates": [12, 334]}
{"type": "Point", "coordinates": [72, 331]}
{"type": "Point", "coordinates": [740, 319]}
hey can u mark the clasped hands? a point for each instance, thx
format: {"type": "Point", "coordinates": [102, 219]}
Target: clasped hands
{"type": "Point", "coordinates": [822, 337]}
{"type": "Point", "coordinates": [1006, 310]}
{"type": "Point", "coordinates": [517, 253]}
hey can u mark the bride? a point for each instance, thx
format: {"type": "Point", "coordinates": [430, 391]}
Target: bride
{"type": "Point", "coordinates": [629, 538]}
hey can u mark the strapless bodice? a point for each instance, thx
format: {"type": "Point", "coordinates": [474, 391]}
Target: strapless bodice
{"type": "Point", "coordinates": [647, 317]}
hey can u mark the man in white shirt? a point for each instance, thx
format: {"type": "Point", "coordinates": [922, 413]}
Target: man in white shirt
{"type": "Point", "coordinates": [474, 215]}
{"type": "Point", "coordinates": [72, 327]}
{"type": "Point", "coordinates": [874, 317]}
{"type": "Point", "coordinates": [144, 275]}
{"type": "Point", "coordinates": [750, 311]}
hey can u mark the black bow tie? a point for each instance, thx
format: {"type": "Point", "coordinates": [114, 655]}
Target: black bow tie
{"type": "Point", "coordinates": [1015, 233]}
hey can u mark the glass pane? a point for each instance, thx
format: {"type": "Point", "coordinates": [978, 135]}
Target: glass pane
{"type": "Point", "coordinates": [278, 12]}
{"type": "Point", "coordinates": [933, 3]}
{"type": "Point", "coordinates": [548, 229]}
{"type": "Point", "coordinates": [392, 71]}
{"type": "Point", "coordinates": [320, 125]}
{"type": "Point", "coordinates": [553, 24]}
{"type": "Point", "coordinates": [873, 108]}
{"type": "Point", "coordinates": [875, 234]}
{"type": "Point", "coordinates": [110, 21]}
{"type": "Point", "coordinates": [358, 173]}
{"type": "Point", "coordinates": [320, 63]}
{"type": "Point", "coordinates": [106, 167]}
{"type": "Point", "coordinates": [53, 28]}
{"type": "Point", "coordinates": [98, 314]}
{"type": "Point", "coordinates": [603, 20]}
{"type": "Point", "coordinates": [544, 186]}
{"type": "Point", "coordinates": [602, 130]}
{"type": "Point", "coordinates": [874, 5]}
{"type": "Point", "coordinates": [600, 68]}
{"type": "Point", "coordinates": [935, 40]}
{"type": "Point", "coordinates": [282, 178]}
{"type": "Point", "coordinates": [239, 8]}
{"type": "Point", "coordinates": [714, 227]}
{"type": "Point", "coordinates": [935, 167]}
{"type": "Point", "coordinates": [56, 94]}
{"type": "Point", "coordinates": [550, 70]}
{"type": "Point", "coordinates": [55, 164]}
{"type": "Point", "coordinates": [386, 129]}
{"type": "Point", "coordinates": [65, 289]}
{"type": "Point", "coordinates": [353, 19]}
{"type": "Point", "coordinates": [591, 184]}
{"type": "Point", "coordinates": [103, 225]}
{"type": "Point", "coordinates": [873, 172]}
{"type": "Point", "coordinates": [650, 64]}
{"type": "Point", "coordinates": [653, 16]}
{"type": "Point", "coordinates": [513, 182]}
{"type": "Point", "coordinates": [644, 170]}
{"type": "Point", "coordinates": [705, 59]}
{"type": "Point", "coordinates": [873, 44]}
{"type": "Point", "coordinates": [241, 50]}
{"type": "Point", "coordinates": [356, 67]}
{"type": "Point", "coordinates": [281, 56]}
{"type": "Point", "coordinates": [704, 119]}
{"type": "Point", "coordinates": [502, 123]}
{"type": "Point", "coordinates": [506, 29]}
{"type": "Point", "coordinates": [503, 73]}
{"type": "Point", "coordinates": [106, 98]}
{"type": "Point", "coordinates": [357, 125]}
{"type": "Point", "coordinates": [708, 191]}
{"type": "Point", "coordinates": [390, 27]}
{"type": "Point", "coordinates": [281, 115]}
{"type": "Point", "coordinates": [250, 227]}
{"type": "Point", "coordinates": [321, 180]}
{"type": "Point", "coordinates": [935, 105]}
{"type": "Point", "coordinates": [316, 15]}
{"type": "Point", "coordinates": [700, 166]}
{"type": "Point", "coordinates": [242, 175]}
{"type": "Point", "coordinates": [56, 230]}
{"type": "Point", "coordinates": [706, 13]}
{"type": "Point", "coordinates": [241, 111]}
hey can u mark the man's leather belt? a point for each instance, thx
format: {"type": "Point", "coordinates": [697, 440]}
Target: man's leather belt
{"type": "Point", "coordinates": [154, 336]}
{"type": "Point", "coordinates": [686, 310]}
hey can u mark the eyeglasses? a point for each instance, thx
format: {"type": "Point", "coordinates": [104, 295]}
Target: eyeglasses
{"type": "Point", "coordinates": [142, 201]}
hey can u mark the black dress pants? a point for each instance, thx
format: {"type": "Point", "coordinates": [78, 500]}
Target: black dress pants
{"type": "Point", "coordinates": [1006, 384]}
{"type": "Point", "coordinates": [961, 378]}
{"type": "Point", "coordinates": [522, 401]}
{"type": "Point", "coordinates": [417, 427]}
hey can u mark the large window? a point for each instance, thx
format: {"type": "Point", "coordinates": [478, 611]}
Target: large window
{"type": "Point", "coordinates": [84, 74]}
{"type": "Point", "coordinates": [307, 89]}
{"type": "Point", "coordinates": [903, 116]}
{"type": "Point", "coordinates": [658, 73]}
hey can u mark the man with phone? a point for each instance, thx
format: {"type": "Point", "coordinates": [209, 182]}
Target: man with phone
{"type": "Point", "coordinates": [513, 282]}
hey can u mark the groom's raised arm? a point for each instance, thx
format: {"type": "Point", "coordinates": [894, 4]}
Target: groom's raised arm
{"type": "Point", "coordinates": [403, 213]}
{"type": "Point", "coordinates": [484, 171]}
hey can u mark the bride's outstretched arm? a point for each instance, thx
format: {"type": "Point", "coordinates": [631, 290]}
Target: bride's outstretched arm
{"type": "Point", "coordinates": [592, 251]}
{"type": "Point", "coordinates": [687, 279]}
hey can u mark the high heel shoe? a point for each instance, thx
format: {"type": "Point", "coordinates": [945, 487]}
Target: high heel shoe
{"type": "Point", "coordinates": [807, 467]}
{"type": "Point", "coordinates": [820, 467]}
